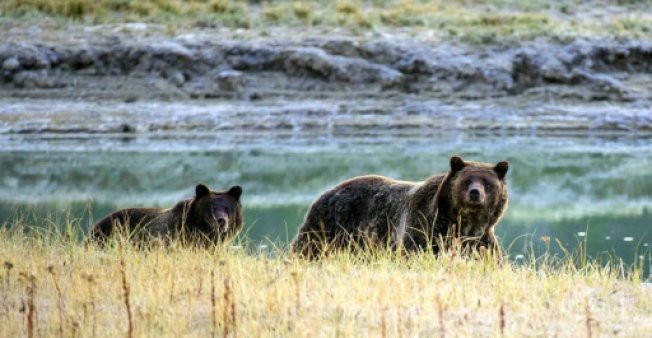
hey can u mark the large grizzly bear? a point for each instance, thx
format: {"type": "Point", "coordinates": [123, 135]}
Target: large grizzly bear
{"type": "Point", "coordinates": [209, 217]}
{"type": "Point", "coordinates": [465, 203]}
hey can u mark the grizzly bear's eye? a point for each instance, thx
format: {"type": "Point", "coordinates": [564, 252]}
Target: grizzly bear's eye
{"type": "Point", "coordinates": [487, 186]}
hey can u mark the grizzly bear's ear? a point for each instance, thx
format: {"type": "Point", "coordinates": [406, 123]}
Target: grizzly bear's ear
{"type": "Point", "coordinates": [457, 164]}
{"type": "Point", "coordinates": [201, 190]}
{"type": "Point", "coordinates": [235, 192]}
{"type": "Point", "coordinates": [501, 169]}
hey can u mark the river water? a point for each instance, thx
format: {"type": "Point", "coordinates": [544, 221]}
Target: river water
{"type": "Point", "coordinates": [592, 189]}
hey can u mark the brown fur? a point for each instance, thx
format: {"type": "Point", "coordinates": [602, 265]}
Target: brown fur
{"type": "Point", "coordinates": [208, 217]}
{"type": "Point", "coordinates": [376, 210]}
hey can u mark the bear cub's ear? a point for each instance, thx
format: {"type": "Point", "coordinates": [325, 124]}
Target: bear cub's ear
{"type": "Point", "coordinates": [235, 192]}
{"type": "Point", "coordinates": [501, 169]}
{"type": "Point", "coordinates": [201, 190]}
{"type": "Point", "coordinates": [457, 163]}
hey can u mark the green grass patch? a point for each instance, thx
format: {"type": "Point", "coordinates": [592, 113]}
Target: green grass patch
{"type": "Point", "coordinates": [469, 21]}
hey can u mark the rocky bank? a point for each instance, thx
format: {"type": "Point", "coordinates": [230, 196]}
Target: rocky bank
{"type": "Point", "coordinates": [313, 80]}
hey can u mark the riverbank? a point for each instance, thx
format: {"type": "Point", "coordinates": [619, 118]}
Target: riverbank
{"type": "Point", "coordinates": [139, 78]}
{"type": "Point", "coordinates": [59, 287]}
{"type": "Point", "coordinates": [505, 66]}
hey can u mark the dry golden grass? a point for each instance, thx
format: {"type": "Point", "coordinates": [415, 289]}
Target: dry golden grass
{"type": "Point", "coordinates": [53, 286]}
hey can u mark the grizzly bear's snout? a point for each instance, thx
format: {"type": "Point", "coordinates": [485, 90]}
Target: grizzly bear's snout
{"type": "Point", "coordinates": [474, 195]}
{"type": "Point", "coordinates": [220, 221]}
{"type": "Point", "coordinates": [213, 225]}
{"type": "Point", "coordinates": [473, 191]}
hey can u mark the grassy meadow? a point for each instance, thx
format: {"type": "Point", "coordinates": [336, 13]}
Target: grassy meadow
{"type": "Point", "coordinates": [54, 285]}
{"type": "Point", "coordinates": [469, 20]}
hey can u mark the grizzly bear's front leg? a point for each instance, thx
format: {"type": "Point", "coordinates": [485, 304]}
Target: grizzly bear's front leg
{"type": "Point", "coordinates": [309, 244]}
{"type": "Point", "coordinates": [489, 244]}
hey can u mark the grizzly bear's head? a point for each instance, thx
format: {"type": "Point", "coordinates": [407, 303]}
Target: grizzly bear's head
{"type": "Point", "coordinates": [217, 214]}
{"type": "Point", "coordinates": [477, 186]}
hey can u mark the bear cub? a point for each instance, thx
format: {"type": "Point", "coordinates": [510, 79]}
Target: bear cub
{"type": "Point", "coordinates": [209, 217]}
{"type": "Point", "coordinates": [465, 204]}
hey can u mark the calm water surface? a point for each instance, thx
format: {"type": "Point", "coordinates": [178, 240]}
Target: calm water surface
{"type": "Point", "coordinates": [595, 189]}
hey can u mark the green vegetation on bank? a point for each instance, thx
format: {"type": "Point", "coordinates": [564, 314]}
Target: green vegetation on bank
{"type": "Point", "coordinates": [51, 284]}
{"type": "Point", "coordinates": [470, 20]}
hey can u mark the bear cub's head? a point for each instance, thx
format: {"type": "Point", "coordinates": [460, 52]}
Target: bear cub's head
{"type": "Point", "coordinates": [217, 213]}
{"type": "Point", "coordinates": [478, 186]}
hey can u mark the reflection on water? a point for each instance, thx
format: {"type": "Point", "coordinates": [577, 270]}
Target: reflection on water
{"type": "Point", "coordinates": [596, 190]}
